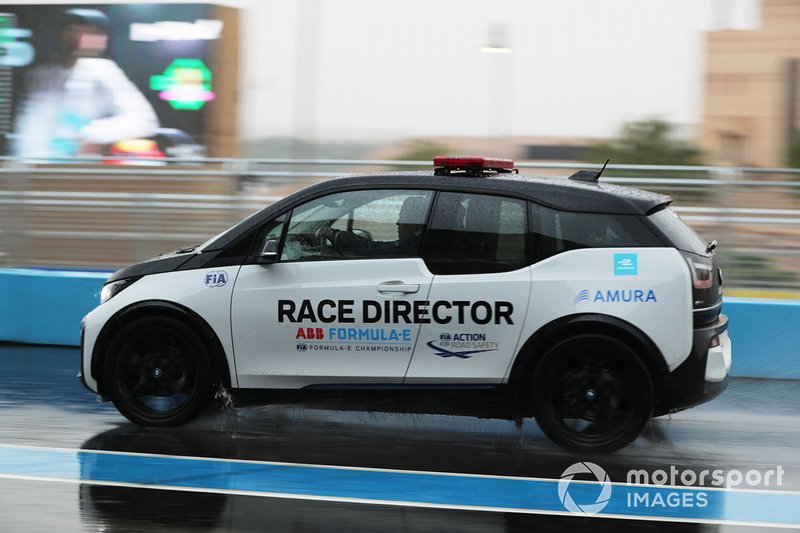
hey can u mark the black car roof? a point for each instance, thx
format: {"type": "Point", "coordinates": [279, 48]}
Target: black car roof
{"type": "Point", "coordinates": [557, 193]}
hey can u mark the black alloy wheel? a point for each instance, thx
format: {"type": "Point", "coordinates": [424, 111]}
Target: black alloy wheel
{"type": "Point", "coordinates": [592, 393]}
{"type": "Point", "coordinates": [158, 372]}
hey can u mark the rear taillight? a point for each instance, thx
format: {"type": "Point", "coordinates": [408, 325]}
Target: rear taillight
{"type": "Point", "coordinates": [714, 342]}
{"type": "Point", "coordinates": [706, 287]}
{"type": "Point", "coordinates": [702, 273]}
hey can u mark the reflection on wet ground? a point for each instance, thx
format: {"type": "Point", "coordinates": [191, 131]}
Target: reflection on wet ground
{"type": "Point", "coordinates": [753, 426]}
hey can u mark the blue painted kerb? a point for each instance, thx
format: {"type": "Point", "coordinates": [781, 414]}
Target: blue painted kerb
{"type": "Point", "coordinates": [46, 307]}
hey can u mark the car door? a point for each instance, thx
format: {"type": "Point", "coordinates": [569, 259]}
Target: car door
{"type": "Point", "coordinates": [327, 312]}
{"type": "Point", "coordinates": [477, 247]}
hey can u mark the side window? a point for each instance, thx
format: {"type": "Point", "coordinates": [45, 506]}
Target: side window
{"type": "Point", "coordinates": [476, 234]}
{"type": "Point", "coordinates": [358, 225]}
{"type": "Point", "coordinates": [560, 231]}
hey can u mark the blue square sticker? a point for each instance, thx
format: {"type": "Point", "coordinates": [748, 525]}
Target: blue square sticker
{"type": "Point", "coordinates": [626, 265]}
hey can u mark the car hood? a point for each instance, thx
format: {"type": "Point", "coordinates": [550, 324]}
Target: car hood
{"type": "Point", "coordinates": [157, 265]}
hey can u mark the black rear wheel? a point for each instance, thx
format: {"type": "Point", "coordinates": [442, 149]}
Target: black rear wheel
{"type": "Point", "coordinates": [158, 372]}
{"type": "Point", "coordinates": [592, 393]}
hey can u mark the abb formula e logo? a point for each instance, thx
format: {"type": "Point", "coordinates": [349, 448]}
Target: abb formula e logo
{"type": "Point", "coordinates": [310, 333]}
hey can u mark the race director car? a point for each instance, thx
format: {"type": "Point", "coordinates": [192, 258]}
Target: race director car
{"type": "Point", "coordinates": [590, 306]}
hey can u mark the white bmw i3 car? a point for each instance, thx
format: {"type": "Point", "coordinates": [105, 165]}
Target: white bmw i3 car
{"type": "Point", "coordinates": [468, 289]}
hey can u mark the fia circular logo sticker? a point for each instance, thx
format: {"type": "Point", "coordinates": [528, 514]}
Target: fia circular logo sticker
{"type": "Point", "coordinates": [216, 278]}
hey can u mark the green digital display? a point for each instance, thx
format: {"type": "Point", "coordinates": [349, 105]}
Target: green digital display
{"type": "Point", "coordinates": [185, 84]}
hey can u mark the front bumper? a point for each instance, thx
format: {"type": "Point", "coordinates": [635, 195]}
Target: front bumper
{"type": "Point", "coordinates": [80, 375]}
{"type": "Point", "coordinates": [703, 376]}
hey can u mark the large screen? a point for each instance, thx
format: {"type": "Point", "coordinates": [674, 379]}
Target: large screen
{"type": "Point", "coordinates": [111, 80]}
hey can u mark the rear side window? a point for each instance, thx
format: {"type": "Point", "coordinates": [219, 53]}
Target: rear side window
{"type": "Point", "coordinates": [476, 234]}
{"type": "Point", "coordinates": [560, 231]}
{"type": "Point", "coordinates": [679, 234]}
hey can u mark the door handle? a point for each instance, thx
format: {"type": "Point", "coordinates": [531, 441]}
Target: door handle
{"type": "Point", "coordinates": [398, 286]}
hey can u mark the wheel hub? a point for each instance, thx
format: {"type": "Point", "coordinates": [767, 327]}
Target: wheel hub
{"type": "Point", "coordinates": [591, 393]}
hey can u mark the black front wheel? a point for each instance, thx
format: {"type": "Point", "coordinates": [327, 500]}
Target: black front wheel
{"type": "Point", "coordinates": [592, 393]}
{"type": "Point", "coordinates": [158, 372]}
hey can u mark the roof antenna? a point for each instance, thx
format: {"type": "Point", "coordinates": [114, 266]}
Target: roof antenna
{"type": "Point", "coordinates": [588, 175]}
{"type": "Point", "coordinates": [597, 178]}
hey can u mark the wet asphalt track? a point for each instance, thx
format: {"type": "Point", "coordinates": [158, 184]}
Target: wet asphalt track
{"type": "Point", "coordinates": [754, 425]}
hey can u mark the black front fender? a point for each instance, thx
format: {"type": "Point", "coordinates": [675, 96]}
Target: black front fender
{"type": "Point", "coordinates": [161, 308]}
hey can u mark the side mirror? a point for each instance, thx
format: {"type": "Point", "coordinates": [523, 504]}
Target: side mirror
{"type": "Point", "coordinates": [269, 254]}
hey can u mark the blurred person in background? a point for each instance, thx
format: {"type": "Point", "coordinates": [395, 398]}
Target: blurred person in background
{"type": "Point", "coordinates": [83, 102]}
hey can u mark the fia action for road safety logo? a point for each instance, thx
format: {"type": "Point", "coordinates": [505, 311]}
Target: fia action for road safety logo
{"type": "Point", "coordinates": [452, 344]}
{"type": "Point", "coordinates": [216, 278]}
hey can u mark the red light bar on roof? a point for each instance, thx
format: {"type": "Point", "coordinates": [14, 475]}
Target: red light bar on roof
{"type": "Point", "coordinates": [473, 166]}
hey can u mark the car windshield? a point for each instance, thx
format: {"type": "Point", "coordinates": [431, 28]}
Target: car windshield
{"type": "Point", "coordinates": [199, 249]}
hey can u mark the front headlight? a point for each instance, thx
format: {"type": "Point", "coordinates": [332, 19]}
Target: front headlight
{"type": "Point", "coordinates": [115, 287]}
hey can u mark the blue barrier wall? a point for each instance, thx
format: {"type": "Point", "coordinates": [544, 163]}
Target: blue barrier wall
{"type": "Point", "coordinates": [46, 307]}
{"type": "Point", "coordinates": [765, 337]}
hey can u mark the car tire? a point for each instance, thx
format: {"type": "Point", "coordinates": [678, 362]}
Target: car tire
{"type": "Point", "coordinates": [592, 393]}
{"type": "Point", "coordinates": [158, 372]}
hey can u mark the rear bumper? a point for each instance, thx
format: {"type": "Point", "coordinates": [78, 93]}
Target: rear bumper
{"type": "Point", "coordinates": [703, 376]}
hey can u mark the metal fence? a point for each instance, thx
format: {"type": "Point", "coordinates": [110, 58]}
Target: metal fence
{"type": "Point", "coordinates": [84, 214]}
